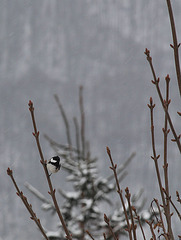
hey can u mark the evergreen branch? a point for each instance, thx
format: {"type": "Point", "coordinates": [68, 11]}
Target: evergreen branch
{"type": "Point", "coordinates": [123, 166]}
{"type": "Point", "coordinates": [37, 193]}
{"type": "Point", "coordinates": [77, 140]}
{"type": "Point", "coordinates": [43, 162]}
{"type": "Point", "coordinates": [62, 111]}
{"type": "Point", "coordinates": [27, 205]}
{"type": "Point", "coordinates": [61, 146]}
{"type": "Point", "coordinates": [82, 120]}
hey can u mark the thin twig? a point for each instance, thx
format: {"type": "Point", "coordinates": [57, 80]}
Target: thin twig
{"type": "Point", "coordinates": [178, 197]}
{"type": "Point", "coordinates": [155, 156]}
{"type": "Point", "coordinates": [151, 229]}
{"type": "Point", "coordinates": [107, 221]}
{"type": "Point", "coordinates": [90, 235]}
{"type": "Point", "coordinates": [128, 196]}
{"type": "Point", "coordinates": [156, 83]}
{"type": "Point", "coordinates": [43, 162]}
{"type": "Point", "coordinates": [165, 166]}
{"type": "Point", "coordinates": [113, 168]}
{"type": "Point", "coordinates": [121, 168]}
{"type": "Point", "coordinates": [104, 235]}
{"type": "Point", "coordinates": [175, 45]}
{"type": "Point", "coordinates": [173, 205]}
{"type": "Point", "coordinates": [138, 218]}
{"type": "Point", "coordinates": [161, 219]}
{"type": "Point", "coordinates": [27, 205]}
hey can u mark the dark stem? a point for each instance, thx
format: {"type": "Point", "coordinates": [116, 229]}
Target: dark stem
{"type": "Point", "coordinates": [114, 166]}
{"type": "Point", "coordinates": [155, 156]}
{"type": "Point", "coordinates": [27, 205]}
{"type": "Point", "coordinates": [175, 44]}
{"type": "Point", "coordinates": [156, 82]}
{"type": "Point", "coordinates": [165, 166]}
{"type": "Point", "coordinates": [52, 191]}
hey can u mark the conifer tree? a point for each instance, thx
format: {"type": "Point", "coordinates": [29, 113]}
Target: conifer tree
{"type": "Point", "coordinates": [81, 208]}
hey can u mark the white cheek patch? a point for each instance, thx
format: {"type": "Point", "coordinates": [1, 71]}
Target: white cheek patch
{"type": "Point", "coordinates": [52, 160]}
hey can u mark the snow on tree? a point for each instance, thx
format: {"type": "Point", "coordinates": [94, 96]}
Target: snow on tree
{"type": "Point", "coordinates": [82, 206]}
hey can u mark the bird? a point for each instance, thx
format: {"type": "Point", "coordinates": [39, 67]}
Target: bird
{"type": "Point", "coordinates": [54, 165]}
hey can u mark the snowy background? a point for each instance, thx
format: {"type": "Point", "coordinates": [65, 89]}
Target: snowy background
{"type": "Point", "coordinates": [49, 47]}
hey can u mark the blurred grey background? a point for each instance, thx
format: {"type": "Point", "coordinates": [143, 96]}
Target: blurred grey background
{"type": "Point", "coordinates": [53, 47]}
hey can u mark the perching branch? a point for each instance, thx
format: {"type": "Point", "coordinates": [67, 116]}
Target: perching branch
{"type": "Point", "coordinates": [43, 162]}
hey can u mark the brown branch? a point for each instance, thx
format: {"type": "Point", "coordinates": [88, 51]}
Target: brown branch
{"type": "Point", "coordinates": [43, 162]}
{"type": "Point", "coordinates": [156, 83]}
{"type": "Point", "coordinates": [155, 157]}
{"type": "Point", "coordinates": [151, 229]}
{"type": "Point", "coordinates": [128, 196]}
{"type": "Point", "coordinates": [161, 223]}
{"type": "Point", "coordinates": [175, 45]}
{"type": "Point", "coordinates": [90, 235]}
{"type": "Point", "coordinates": [104, 235]}
{"type": "Point", "coordinates": [165, 166]}
{"type": "Point", "coordinates": [113, 168]}
{"type": "Point", "coordinates": [173, 205]}
{"type": "Point", "coordinates": [27, 205]}
{"type": "Point", "coordinates": [178, 197]}
{"type": "Point", "coordinates": [107, 221]}
{"type": "Point", "coordinates": [138, 218]}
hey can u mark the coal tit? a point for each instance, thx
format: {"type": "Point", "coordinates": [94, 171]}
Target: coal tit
{"type": "Point", "coordinates": [54, 165]}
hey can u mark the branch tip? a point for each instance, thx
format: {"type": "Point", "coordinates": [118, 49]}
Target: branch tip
{"type": "Point", "coordinates": [167, 78]}
{"type": "Point", "coordinates": [9, 172]}
{"type": "Point", "coordinates": [30, 104]}
{"type": "Point", "coordinates": [108, 150]}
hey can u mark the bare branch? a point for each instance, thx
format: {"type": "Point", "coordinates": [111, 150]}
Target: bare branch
{"type": "Point", "coordinates": [175, 45]}
{"type": "Point", "coordinates": [156, 83]}
{"type": "Point", "coordinates": [43, 162]}
{"type": "Point", "coordinates": [27, 205]}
